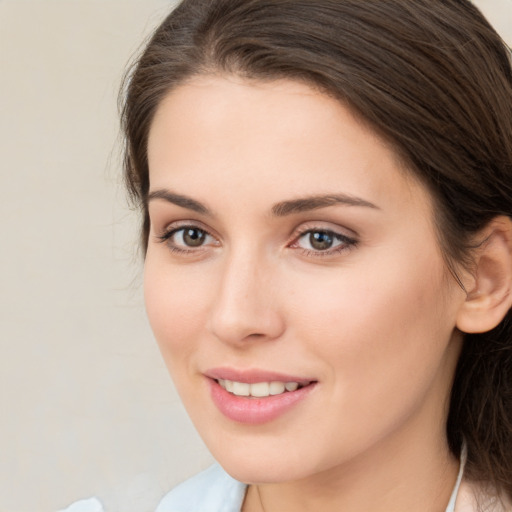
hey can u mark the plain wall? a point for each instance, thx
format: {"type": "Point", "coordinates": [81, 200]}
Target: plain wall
{"type": "Point", "coordinates": [86, 405]}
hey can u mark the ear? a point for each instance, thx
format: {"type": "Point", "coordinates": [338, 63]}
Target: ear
{"type": "Point", "coordinates": [490, 296]}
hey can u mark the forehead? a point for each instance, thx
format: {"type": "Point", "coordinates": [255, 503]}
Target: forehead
{"type": "Point", "coordinates": [239, 134]}
{"type": "Point", "coordinates": [213, 102]}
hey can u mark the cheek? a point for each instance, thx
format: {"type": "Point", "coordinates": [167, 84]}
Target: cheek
{"type": "Point", "coordinates": [177, 303]}
{"type": "Point", "coordinates": [381, 337]}
{"type": "Point", "coordinates": [380, 328]}
{"type": "Point", "coordinates": [370, 299]}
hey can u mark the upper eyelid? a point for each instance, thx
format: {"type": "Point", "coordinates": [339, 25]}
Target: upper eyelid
{"type": "Point", "coordinates": [182, 224]}
{"type": "Point", "coordinates": [170, 232]}
{"type": "Point", "coordinates": [339, 236]}
{"type": "Point", "coordinates": [307, 227]}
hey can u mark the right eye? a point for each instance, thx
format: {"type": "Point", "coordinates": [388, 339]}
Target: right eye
{"type": "Point", "coordinates": [186, 238]}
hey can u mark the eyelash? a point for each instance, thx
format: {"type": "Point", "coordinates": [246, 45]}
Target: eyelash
{"type": "Point", "coordinates": [347, 243]}
{"type": "Point", "coordinates": [167, 235]}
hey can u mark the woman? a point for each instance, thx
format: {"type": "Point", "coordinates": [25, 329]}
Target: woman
{"type": "Point", "coordinates": [326, 191]}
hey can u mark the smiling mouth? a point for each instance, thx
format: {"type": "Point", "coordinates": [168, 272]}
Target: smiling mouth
{"type": "Point", "coordinates": [259, 389]}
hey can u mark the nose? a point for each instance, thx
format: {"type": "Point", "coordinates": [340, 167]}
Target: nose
{"type": "Point", "coordinates": [246, 306]}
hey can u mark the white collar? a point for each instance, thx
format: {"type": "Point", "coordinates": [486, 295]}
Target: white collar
{"type": "Point", "coordinates": [455, 492]}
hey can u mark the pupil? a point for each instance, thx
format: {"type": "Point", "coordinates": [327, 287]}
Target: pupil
{"type": "Point", "coordinates": [320, 240]}
{"type": "Point", "coordinates": [193, 237]}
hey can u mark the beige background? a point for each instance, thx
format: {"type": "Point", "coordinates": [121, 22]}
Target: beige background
{"type": "Point", "coordinates": [86, 406]}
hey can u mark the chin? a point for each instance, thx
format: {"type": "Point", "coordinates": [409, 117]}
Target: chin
{"type": "Point", "coordinates": [261, 472]}
{"type": "Point", "coordinates": [259, 460]}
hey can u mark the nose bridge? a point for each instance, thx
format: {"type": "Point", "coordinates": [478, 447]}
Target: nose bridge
{"type": "Point", "coordinates": [246, 301]}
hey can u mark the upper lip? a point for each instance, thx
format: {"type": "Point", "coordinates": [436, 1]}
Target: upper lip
{"type": "Point", "coordinates": [253, 375]}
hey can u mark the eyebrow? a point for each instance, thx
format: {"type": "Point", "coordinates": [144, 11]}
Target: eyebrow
{"type": "Point", "coordinates": [315, 202]}
{"type": "Point", "coordinates": [179, 200]}
{"type": "Point", "coordinates": [281, 209]}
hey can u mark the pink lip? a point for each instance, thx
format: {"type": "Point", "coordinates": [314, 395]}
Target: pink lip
{"type": "Point", "coordinates": [250, 410]}
{"type": "Point", "coordinates": [252, 376]}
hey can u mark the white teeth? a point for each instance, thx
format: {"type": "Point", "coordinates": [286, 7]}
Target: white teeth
{"type": "Point", "coordinates": [291, 386]}
{"type": "Point", "coordinates": [241, 389]}
{"type": "Point", "coordinates": [258, 389]}
{"type": "Point", "coordinates": [276, 388]}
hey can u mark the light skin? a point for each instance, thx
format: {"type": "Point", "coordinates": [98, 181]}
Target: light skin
{"type": "Point", "coordinates": [370, 313]}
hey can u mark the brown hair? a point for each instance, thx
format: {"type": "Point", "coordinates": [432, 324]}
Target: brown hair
{"type": "Point", "coordinates": [432, 77]}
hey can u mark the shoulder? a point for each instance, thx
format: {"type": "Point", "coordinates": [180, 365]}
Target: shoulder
{"type": "Point", "coordinates": [212, 490]}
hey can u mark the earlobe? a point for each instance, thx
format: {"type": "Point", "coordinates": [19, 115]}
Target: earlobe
{"type": "Point", "coordinates": [490, 297]}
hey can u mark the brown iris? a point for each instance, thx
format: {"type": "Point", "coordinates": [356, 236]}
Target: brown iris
{"type": "Point", "coordinates": [193, 237]}
{"type": "Point", "coordinates": [321, 240]}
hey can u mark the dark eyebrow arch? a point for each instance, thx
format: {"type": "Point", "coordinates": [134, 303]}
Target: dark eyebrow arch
{"type": "Point", "coordinates": [179, 200]}
{"type": "Point", "coordinates": [314, 202]}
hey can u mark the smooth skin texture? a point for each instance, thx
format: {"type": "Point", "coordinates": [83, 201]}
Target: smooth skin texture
{"type": "Point", "coordinates": [372, 318]}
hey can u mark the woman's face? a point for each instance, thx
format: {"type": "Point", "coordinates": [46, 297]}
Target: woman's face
{"type": "Point", "coordinates": [288, 247]}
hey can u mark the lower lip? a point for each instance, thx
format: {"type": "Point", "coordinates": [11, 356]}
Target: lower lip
{"type": "Point", "coordinates": [255, 411]}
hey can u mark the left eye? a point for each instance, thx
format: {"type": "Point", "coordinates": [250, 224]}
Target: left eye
{"type": "Point", "coordinates": [187, 237]}
{"type": "Point", "coordinates": [321, 240]}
